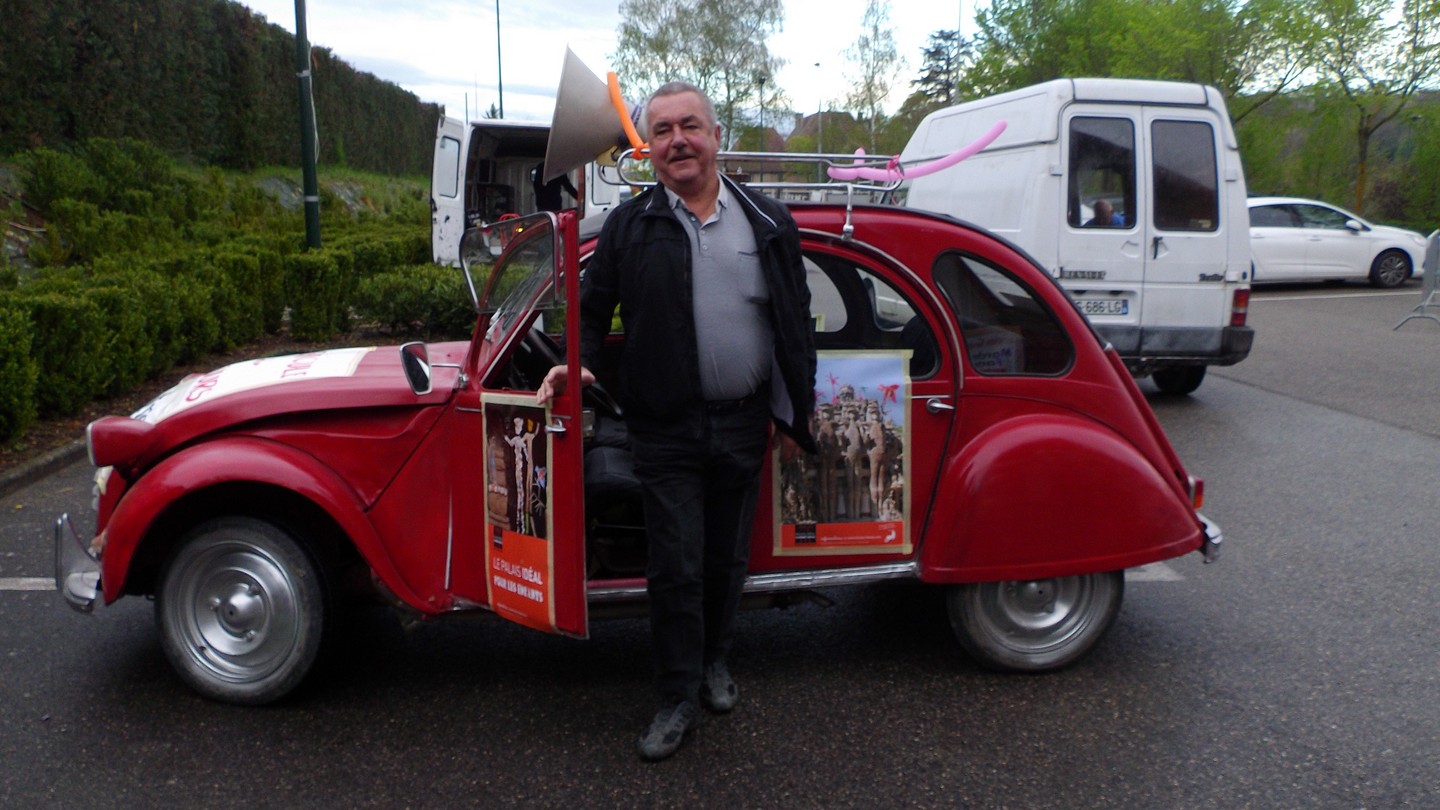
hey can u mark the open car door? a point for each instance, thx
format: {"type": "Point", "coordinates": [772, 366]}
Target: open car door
{"type": "Point", "coordinates": [519, 547]}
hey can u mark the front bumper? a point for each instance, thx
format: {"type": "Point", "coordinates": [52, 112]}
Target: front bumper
{"type": "Point", "coordinates": [77, 573]}
{"type": "Point", "coordinates": [1214, 539]}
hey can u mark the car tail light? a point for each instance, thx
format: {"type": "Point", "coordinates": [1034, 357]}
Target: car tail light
{"type": "Point", "coordinates": [1196, 489]}
{"type": "Point", "coordinates": [1240, 307]}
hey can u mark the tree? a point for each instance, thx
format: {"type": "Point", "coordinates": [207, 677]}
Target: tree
{"type": "Point", "coordinates": [1376, 61]}
{"type": "Point", "coordinates": [877, 64]}
{"type": "Point", "coordinates": [939, 81]}
{"type": "Point", "coordinates": [717, 45]}
{"type": "Point", "coordinates": [1250, 50]}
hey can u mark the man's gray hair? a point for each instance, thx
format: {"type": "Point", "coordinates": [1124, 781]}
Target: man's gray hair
{"type": "Point", "coordinates": [675, 89]}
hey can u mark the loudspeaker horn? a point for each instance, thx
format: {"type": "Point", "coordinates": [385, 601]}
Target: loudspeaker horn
{"type": "Point", "coordinates": [585, 125]}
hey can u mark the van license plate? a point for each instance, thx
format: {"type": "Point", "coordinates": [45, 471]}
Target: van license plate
{"type": "Point", "coordinates": [1108, 306]}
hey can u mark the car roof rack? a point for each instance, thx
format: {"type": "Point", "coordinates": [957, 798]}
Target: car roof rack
{"type": "Point", "coordinates": [742, 165]}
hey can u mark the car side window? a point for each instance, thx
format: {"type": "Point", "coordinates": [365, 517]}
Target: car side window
{"type": "Point", "coordinates": [855, 308]}
{"type": "Point", "coordinates": [1314, 216]}
{"type": "Point", "coordinates": [1007, 329]}
{"type": "Point", "coordinates": [1272, 216]}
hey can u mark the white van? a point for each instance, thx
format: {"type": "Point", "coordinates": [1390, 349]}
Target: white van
{"type": "Point", "coordinates": [483, 171]}
{"type": "Point", "coordinates": [1166, 279]}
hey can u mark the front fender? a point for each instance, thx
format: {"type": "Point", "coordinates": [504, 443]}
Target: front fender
{"type": "Point", "coordinates": [1052, 495]}
{"type": "Point", "coordinates": [237, 459]}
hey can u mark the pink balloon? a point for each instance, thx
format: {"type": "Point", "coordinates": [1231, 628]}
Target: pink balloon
{"type": "Point", "coordinates": [894, 171]}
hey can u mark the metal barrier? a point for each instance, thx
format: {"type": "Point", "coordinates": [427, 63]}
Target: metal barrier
{"type": "Point", "coordinates": [1432, 282]}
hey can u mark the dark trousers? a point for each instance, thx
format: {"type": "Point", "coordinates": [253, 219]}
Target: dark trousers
{"type": "Point", "coordinates": [701, 478]}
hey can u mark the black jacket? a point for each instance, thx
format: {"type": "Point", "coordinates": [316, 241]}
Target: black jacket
{"type": "Point", "coordinates": [642, 263]}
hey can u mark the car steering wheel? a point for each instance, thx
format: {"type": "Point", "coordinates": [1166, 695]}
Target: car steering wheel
{"type": "Point", "coordinates": [595, 394]}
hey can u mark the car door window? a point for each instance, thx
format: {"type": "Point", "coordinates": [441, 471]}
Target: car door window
{"type": "Point", "coordinates": [1315, 216]}
{"type": "Point", "coordinates": [1102, 170]}
{"type": "Point", "coordinates": [1187, 194]}
{"type": "Point", "coordinates": [855, 308]}
{"type": "Point", "coordinates": [1272, 216]}
{"type": "Point", "coordinates": [1007, 329]}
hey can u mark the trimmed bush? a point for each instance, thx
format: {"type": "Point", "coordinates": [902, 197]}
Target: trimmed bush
{"type": "Point", "coordinates": [238, 297]}
{"type": "Point", "coordinates": [51, 175]}
{"type": "Point", "coordinates": [128, 345]}
{"type": "Point", "coordinates": [68, 343]}
{"type": "Point", "coordinates": [17, 370]}
{"type": "Point", "coordinates": [88, 232]}
{"type": "Point", "coordinates": [315, 284]}
{"type": "Point", "coordinates": [419, 299]}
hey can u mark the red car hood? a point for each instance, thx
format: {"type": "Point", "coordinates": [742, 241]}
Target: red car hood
{"type": "Point", "coordinates": [266, 394]}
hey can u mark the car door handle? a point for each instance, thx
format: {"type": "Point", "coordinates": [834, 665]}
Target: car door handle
{"type": "Point", "coordinates": [938, 404]}
{"type": "Point", "coordinates": [1155, 245]}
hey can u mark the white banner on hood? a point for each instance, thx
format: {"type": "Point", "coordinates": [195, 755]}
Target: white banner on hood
{"type": "Point", "coordinates": [249, 375]}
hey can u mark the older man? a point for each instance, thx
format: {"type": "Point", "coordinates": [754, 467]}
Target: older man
{"type": "Point", "coordinates": [711, 288]}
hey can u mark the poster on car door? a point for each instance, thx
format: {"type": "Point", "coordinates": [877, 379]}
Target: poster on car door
{"type": "Point", "coordinates": [851, 496]}
{"type": "Point", "coordinates": [519, 561]}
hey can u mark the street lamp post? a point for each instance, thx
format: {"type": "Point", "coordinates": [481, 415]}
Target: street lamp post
{"type": "Point", "coordinates": [499, 64]}
{"type": "Point", "coordinates": [308, 146]}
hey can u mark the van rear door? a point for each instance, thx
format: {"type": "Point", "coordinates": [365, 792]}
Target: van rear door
{"type": "Point", "coordinates": [447, 205]}
{"type": "Point", "coordinates": [1187, 249]}
{"type": "Point", "coordinates": [1102, 263]}
{"type": "Point", "coordinates": [1152, 279]}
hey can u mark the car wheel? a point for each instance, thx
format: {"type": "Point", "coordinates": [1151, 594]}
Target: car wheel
{"type": "Point", "coordinates": [1179, 379]}
{"type": "Point", "coordinates": [1034, 625]}
{"type": "Point", "coordinates": [241, 609]}
{"type": "Point", "coordinates": [1390, 269]}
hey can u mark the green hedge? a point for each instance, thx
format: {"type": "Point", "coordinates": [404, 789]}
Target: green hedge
{"type": "Point", "coordinates": [17, 370]}
{"type": "Point", "coordinates": [316, 287]}
{"type": "Point", "coordinates": [419, 299]}
{"type": "Point", "coordinates": [144, 265]}
{"type": "Point", "coordinates": [68, 342]}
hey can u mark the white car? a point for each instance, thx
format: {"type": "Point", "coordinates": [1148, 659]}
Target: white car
{"type": "Point", "coordinates": [1294, 239]}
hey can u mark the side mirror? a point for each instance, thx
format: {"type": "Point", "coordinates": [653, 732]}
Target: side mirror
{"type": "Point", "coordinates": [1355, 226]}
{"type": "Point", "coordinates": [415, 359]}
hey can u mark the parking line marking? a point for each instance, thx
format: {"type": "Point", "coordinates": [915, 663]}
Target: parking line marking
{"type": "Point", "coordinates": [27, 584]}
{"type": "Point", "coordinates": [1154, 572]}
{"type": "Point", "coordinates": [1324, 296]}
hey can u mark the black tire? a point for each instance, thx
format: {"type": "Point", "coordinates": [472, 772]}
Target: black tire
{"type": "Point", "coordinates": [1179, 380]}
{"type": "Point", "coordinates": [1390, 269]}
{"type": "Point", "coordinates": [1034, 625]}
{"type": "Point", "coordinates": [241, 609]}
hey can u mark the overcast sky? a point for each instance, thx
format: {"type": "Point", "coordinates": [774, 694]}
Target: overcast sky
{"type": "Point", "coordinates": [444, 51]}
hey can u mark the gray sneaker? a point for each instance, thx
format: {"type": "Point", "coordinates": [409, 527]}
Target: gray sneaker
{"type": "Point", "coordinates": [667, 730]}
{"type": "Point", "coordinates": [718, 691]}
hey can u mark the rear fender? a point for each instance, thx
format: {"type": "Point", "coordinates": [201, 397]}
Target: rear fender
{"type": "Point", "coordinates": [1052, 495]}
{"type": "Point", "coordinates": [229, 461]}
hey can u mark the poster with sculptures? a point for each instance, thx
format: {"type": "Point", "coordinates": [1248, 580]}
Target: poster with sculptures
{"type": "Point", "coordinates": [850, 497]}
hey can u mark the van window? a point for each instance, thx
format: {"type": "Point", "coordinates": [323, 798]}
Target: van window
{"type": "Point", "coordinates": [446, 180]}
{"type": "Point", "coordinates": [1187, 196]}
{"type": "Point", "coordinates": [1007, 329]}
{"type": "Point", "coordinates": [1102, 173]}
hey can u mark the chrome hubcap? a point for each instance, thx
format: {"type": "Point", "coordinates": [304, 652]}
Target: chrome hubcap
{"type": "Point", "coordinates": [238, 612]}
{"type": "Point", "coordinates": [1037, 614]}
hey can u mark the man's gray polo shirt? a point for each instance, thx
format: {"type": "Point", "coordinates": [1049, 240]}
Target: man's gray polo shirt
{"type": "Point", "coordinates": [731, 300]}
